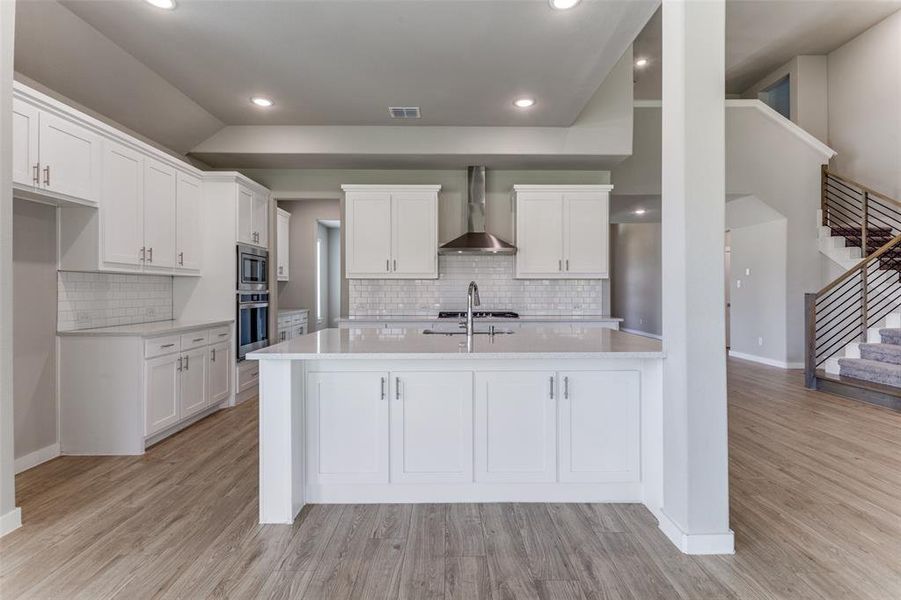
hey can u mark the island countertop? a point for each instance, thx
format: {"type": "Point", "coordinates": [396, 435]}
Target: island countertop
{"type": "Point", "coordinates": [411, 343]}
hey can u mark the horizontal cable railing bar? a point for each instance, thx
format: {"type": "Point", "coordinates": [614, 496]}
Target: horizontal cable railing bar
{"type": "Point", "coordinates": [853, 184]}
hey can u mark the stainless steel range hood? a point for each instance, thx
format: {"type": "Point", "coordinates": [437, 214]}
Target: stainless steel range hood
{"type": "Point", "coordinates": [476, 240]}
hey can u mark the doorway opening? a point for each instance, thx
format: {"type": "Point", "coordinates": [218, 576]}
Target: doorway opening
{"type": "Point", "coordinates": [328, 273]}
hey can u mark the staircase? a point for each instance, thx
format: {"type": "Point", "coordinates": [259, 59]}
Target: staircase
{"type": "Point", "coordinates": [854, 323]}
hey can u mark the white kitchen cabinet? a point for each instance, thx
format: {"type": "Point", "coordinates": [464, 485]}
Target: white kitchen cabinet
{"type": "Point", "coordinates": [348, 427]}
{"type": "Point", "coordinates": [431, 427]}
{"type": "Point", "coordinates": [161, 390]}
{"type": "Point", "coordinates": [515, 438]}
{"type": "Point", "coordinates": [562, 232]}
{"type": "Point", "coordinates": [391, 232]}
{"type": "Point", "coordinates": [253, 217]}
{"type": "Point", "coordinates": [160, 193]}
{"type": "Point", "coordinates": [122, 207]}
{"type": "Point", "coordinates": [599, 426]}
{"type": "Point", "coordinates": [26, 164]}
{"type": "Point", "coordinates": [283, 244]}
{"type": "Point", "coordinates": [220, 366]}
{"type": "Point", "coordinates": [193, 379]}
{"type": "Point", "coordinates": [54, 155]}
{"type": "Point", "coordinates": [188, 236]}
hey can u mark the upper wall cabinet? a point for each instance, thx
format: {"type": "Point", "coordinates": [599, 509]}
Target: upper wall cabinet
{"type": "Point", "coordinates": [53, 156]}
{"type": "Point", "coordinates": [253, 217]}
{"type": "Point", "coordinates": [562, 232]}
{"type": "Point", "coordinates": [391, 232]}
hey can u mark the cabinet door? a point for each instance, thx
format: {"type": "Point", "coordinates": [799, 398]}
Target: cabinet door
{"type": "Point", "coordinates": [245, 216]}
{"type": "Point", "coordinates": [261, 219]}
{"type": "Point", "coordinates": [368, 235]}
{"type": "Point", "coordinates": [25, 129]}
{"type": "Point", "coordinates": [539, 235]}
{"type": "Point", "coordinates": [192, 395]}
{"type": "Point", "coordinates": [161, 381]}
{"type": "Point", "coordinates": [283, 245]}
{"type": "Point", "coordinates": [122, 205]}
{"type": "Point", "coordinates": [515, 426]}
{"type": "Point", "coordinates": [586, 234]}
{"type": "Point", "coordinates": [348, 427]}
{"type": "Point", "coordinates": [599, 426]}
{"type": "Point", "coordinates": [431, 427]}
{"type": "Point", "coordinates": [70, 158]}
{"type": "Point", "coordinates": [189, 242]}
{"type": "Point", "coordinates": [220, 367]}
{"type": "Point", "coordinates": [159, 215]}
{"type": "Point", "coordinates": [414, 235]}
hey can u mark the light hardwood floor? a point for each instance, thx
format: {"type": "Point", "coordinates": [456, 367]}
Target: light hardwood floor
{"type": "Point", "coordinates": [816, 509]}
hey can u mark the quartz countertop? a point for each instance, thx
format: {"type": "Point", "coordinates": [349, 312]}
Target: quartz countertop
{"type": "Point", "coordinates": [148, 329]}
{"type": "Point", "coordinates": [411, 343]}
{"type": "Point", "coordinates": [565, 319]}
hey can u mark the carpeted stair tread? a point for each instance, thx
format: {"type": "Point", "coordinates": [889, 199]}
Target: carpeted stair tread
{"type": "Point", "coordinates": [887, 353]}
{"type": "Point", "coordinates": [870, 370]}
{"type": "Point", "coordinates": [890, 335]}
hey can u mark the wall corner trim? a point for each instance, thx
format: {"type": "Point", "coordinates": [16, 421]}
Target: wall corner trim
{"type": "Point", "coordinates": [33, 459]}
{"type": "Point", "coordinates": [696, 543]}
{"type": "Point", "coordinates": [10, 521]}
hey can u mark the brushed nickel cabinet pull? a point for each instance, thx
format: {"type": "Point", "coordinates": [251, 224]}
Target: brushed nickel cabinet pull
{"type": "Point", "coordinates": [388, 264]}
{"type": "Point", "coordinates": [150, 255]}
{"type": "Point", "coordinates": [552, 387]}
{"type": "Point", "coordinates": [397, 388]}
{"type": "Point", "coordinates": [178, 368]}
{"type": "Point", "coordinates": [213, 357]}
{"type": "Point", "coordinates": [383, 388]}
{"type": "Point", "coordinates": [181, 258]}
{"type": "Point", "coordinates": [167, 345]}
{"type": "Point", "coordinates": [566, 388]}
{"type": "Point", "coordinates": [395, 265]}
{"type": "Point", "coordinates": [47, 175]}
{"type": "Point", "coordinates": [36, 173]}
{"type": "Point", "coordinates": [559, 264]}
{"type": "Point", "coordinates": [567, 264]}
{"type": "Point", "coordinates": [198, 339]}
{"type": "Point", "coordinates": [143, 253]}
{"type": "Point", "coordinates": [187, 362]}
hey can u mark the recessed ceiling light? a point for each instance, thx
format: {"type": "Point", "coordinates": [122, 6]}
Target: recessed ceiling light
{"type": "Point", "coordinates": [261, 101]}
{"type": "Point", "coordinates": [563, 4]}
{"type": "Point", "coordinates": [639, 211]}
{"type": "Point", "coordinates": [164, 4]}
{"type": "Point", "coordinates": [641, 62]}
{"type": "Point", "coordinates": [524, 102]}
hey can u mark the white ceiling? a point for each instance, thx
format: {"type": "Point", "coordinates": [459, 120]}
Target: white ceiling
{"type": "Point", "coordinates": [761, 35]}
{"type": "Point", "coordinates": [344, 62]}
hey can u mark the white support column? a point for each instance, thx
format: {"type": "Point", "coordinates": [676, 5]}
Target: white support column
{"type": "Point", "coordinates": [695, 511]}
{"type": "Point", "coordinates": [10, 515]}
{"type": "Point", "coordinates": [281, 440]}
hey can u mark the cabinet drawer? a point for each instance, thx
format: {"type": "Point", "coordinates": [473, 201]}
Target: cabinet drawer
{"type": "Point", "coordinates": [161, 345]}
{"type": "Point", "coordinates": [220, 334]}
{"type": "Point", "coordinates": [299, 330]}
{"type": "Point", "coordinates": [195, 339]}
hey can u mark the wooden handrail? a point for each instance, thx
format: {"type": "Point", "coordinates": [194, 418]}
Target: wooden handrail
{"type": "Point", "coordinates": [859, 266]}
{"type": "Point", "coordinates": [862, 187]}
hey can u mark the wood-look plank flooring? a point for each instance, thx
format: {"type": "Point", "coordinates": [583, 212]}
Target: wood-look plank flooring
{"type": "Point", "coordinates": [816, 509]}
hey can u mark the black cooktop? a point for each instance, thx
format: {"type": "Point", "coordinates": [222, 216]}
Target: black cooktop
{"type": "Point", "coordinates": [478, 314]}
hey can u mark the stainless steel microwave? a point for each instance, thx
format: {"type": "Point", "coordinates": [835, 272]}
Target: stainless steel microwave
{"type": "Point", "coordinates": [253, 269]}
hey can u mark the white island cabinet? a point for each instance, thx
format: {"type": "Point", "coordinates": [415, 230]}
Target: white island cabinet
{"type": "Point", "coordinates": [546, 414]}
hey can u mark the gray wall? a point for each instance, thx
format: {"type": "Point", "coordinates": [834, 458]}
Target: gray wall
{"type": "Point", "coordinates": [300, 290]}
{"type": "Point", "coordinates": [8, 512]}
{"type": "Point", "coordinates": [34, 326]}
{"type": "Point", "coordinates": [334, 276]}
{"type": "Point", "coordinates": [636, 277]}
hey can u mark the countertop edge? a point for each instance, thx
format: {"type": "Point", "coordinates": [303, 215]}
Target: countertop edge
{"type": "Point", "coordinates": [98, 331]}
{"type": "Point", "coordinates": [458, 356]}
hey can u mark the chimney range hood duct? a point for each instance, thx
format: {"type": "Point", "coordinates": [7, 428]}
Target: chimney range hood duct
{"type": "Point", "coordinates": [476, 240]}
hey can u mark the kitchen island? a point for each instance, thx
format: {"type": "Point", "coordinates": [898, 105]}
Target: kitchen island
{"type": "Point", "coordinates": [544, 414]}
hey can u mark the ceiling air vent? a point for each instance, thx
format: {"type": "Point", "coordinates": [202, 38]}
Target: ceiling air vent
{"type": "Point", "coordinates": [404, 112]}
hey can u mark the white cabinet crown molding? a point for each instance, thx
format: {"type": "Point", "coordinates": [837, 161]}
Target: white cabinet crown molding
{"type": "Point", "coordinates": [606, 187]}
{"type": "Point", "coordinates": [359, 187]}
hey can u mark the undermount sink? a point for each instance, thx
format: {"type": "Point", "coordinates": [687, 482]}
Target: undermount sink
{"type": "Point", "coordinates": [489, 332]}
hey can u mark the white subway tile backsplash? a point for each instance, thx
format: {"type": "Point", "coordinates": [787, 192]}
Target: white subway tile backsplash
{"type": "Point", "coordinates": [498, 290]}
{"type": "Point", "coordinates": [87, 300]}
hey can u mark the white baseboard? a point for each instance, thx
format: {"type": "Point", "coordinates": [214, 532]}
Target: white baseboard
{"type": "Point", "coordinates": [642, 333]}
{"type": "Point", "coordinates": [766, 361]}
{"type": "Point", "coordinates": [33, 459]}
{"type": "Point", "coordinates": [10, 521]}
{"type": "Point", "coordinates": [696, 543]}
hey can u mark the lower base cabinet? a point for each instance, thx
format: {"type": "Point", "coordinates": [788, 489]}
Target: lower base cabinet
{"type": "Point", "coordinates": [348, 426]}
{"type": "Point", "coordinates": [192, 393]}
{"type": "Point", "coordinates": [431, 427]}
{"type": "Point", "coordinates": [220, 367]}
{"type": "Point", "coordinates": [501, 427]}
{"type": "Point", "coordinates": [599, 421]}
{"type": "Point", "coordinates": [516, 427]}
{"type": "Point", "coordinates": [161, 390]}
